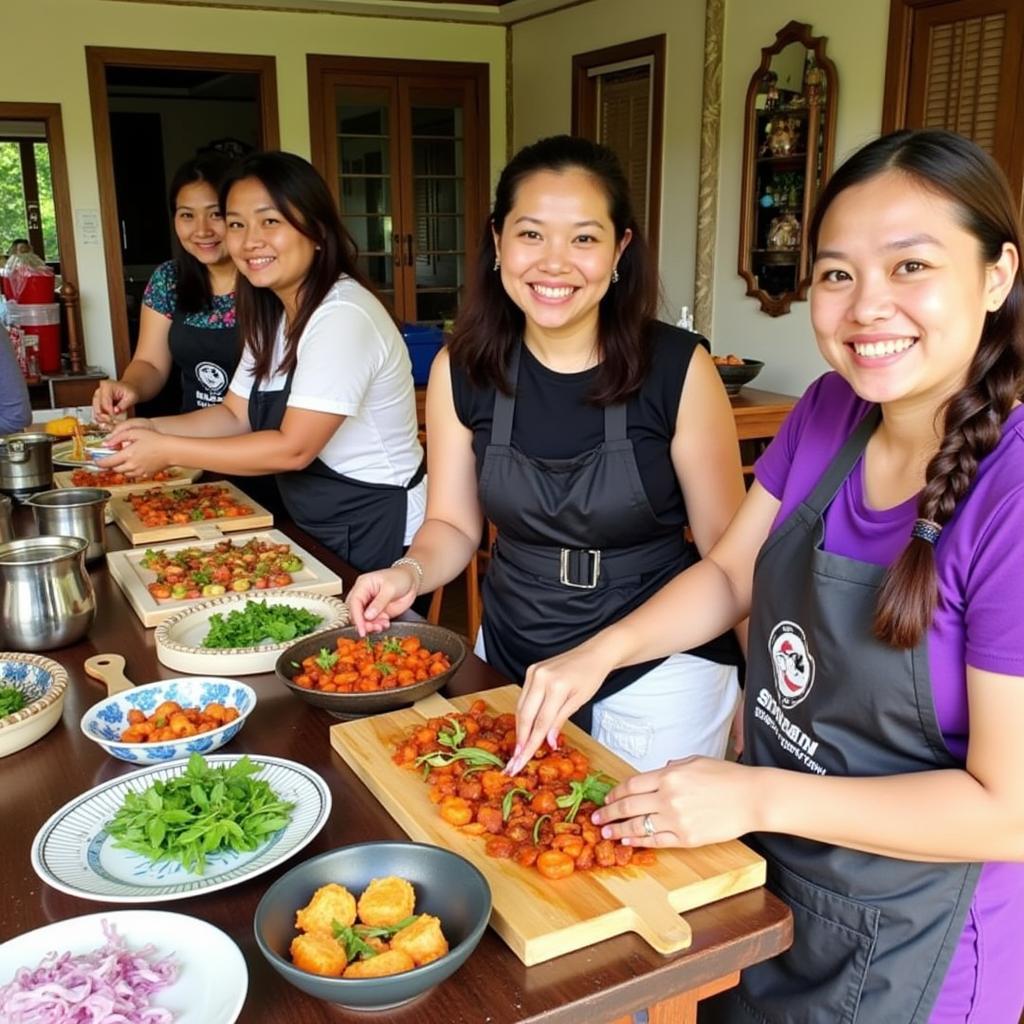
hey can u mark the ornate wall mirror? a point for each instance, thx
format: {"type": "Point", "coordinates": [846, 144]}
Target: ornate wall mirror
{"type": "Point", "coordinates": [789, 135]}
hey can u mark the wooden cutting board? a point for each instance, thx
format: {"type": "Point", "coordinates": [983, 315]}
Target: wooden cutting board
{"type": "Point", "coordinates": [182, 475]}
{"type": "Point", "coordinates": [134, 579]}
{"type": "Point", "coordinates": [205, 529]}
{"type": "Point", "coordinates": [538, 918]}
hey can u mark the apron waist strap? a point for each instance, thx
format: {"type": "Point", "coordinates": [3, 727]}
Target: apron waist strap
{"type": "Point", "coordinates": [583, 568]}
{"type": "Point", "coordinates": [420, 473]}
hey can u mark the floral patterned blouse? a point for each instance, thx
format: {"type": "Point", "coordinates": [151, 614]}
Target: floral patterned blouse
{"type": "Point", "coordinates": [161, 295]}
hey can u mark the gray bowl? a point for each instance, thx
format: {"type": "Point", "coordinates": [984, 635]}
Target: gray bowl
{"type": "Point", "coordinates": [734, 377]}
{"type": "Point", "coordinates": [353, 705]}
{"type": "Point", "coordinates": [446, 885]}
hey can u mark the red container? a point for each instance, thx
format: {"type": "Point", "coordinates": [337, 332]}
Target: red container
{"type": "Point", "coordinates": [43, 321]}
{"type": "Point", "coordinates": [36, 288]}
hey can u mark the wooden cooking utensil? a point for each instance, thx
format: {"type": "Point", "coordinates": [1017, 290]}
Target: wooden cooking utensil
{"type": "Point", "coordinates": [109, 669]}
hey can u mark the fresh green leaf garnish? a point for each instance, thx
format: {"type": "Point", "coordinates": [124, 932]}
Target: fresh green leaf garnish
{"type": "Point", "coordinates": [595, 787]}
{"type": "Point", "coordinates": [475, 756]}
{"type": "Point", "coordinates": [384, 931]}
{"type": "Point", "coordinates": [202, 811]}
{"type": "Point", "coordinates": [392, 645]}
{"type": "Point", "coordinates": [452, 737]}
{"type": "Point", "coordinates": [384, 668]}
{"type": "Point", "coordinates": [352, 941]}
{"type": "Point", "coordinates": [506, 802]}
{"type": "Point", "coordinates": [536, 827]}
{"type": "Point", "coordinates": [11, 700]}
{"type": "Point", "coordinates": [327, 659]}
{"type": "Point", "coordinates": [257, 623]}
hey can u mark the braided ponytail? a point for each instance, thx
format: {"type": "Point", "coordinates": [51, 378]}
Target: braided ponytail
{"type": "Point", "coordinates": [960, 171]}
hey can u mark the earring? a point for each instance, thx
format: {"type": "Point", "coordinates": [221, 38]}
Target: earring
{"type": "Point", "coordinates": [497, 263]}
{"type": "Point", "coordinates": [615, 275]}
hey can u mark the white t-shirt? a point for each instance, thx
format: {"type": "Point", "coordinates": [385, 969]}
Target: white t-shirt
{"type": "Point", "coordinates": [352, 361]}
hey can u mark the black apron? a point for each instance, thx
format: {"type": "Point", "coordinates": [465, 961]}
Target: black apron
{"type": "Point", "coordinates": [874, 935]}
{"type": "Point", "coordinates": [206, 358]}
{"type": "Point", "coordinates": [361, 522]}
{"type": "Point", "coordinates": [578, 547]}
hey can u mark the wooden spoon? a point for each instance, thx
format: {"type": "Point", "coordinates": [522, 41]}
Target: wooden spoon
{"type": "Point", "coordinates": [109, 669]}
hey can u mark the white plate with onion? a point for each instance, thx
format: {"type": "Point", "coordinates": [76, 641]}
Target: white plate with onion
{"type": "Point", "coordinates": [180, 639]}
{"type": "Point", "coordinates": [211, 980]}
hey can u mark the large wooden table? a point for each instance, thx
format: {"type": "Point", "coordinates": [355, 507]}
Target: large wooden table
{"type": "Point", "coordinates": [604, 982]}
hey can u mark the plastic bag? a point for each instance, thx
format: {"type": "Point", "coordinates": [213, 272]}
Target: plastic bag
{"type": "Point", "coordinates": [28, 279]}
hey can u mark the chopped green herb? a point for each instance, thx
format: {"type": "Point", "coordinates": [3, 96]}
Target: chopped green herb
{"type": "Point", "coordinates": [595, 787]}
{"type": "Point", "coordinates": [506, 803]}
{"type": "Point", "coordinates": [11, 700]}
{"type": "Point", "coordinates": [327, 659]}
{"type": "Point", "coordinates": [452, 737]}
{"type": "Point", "coordinates": [257, 623]}
{"type": "Point", "coordinates": [536, 827]}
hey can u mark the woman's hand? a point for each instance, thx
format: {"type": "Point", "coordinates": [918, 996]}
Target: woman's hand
{"type": "Point", "coordinates": [122, 432]}
{"type": "Point", "coordinates": [552, 691]}
{"type": "Point", "coordinates": [143, 452]}
{"type": "Point", "coordinates": [112, 398]}
{"type": "Point", "coordinates": [377, 597]}
{"type": "Point", "coordinates": [691, 802]}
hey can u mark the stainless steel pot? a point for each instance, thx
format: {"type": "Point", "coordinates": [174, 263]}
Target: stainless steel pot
{"type": "Point", "coordinates": [26, 463]}
{"type": "Point", "coordinates": [73, 512]}
{"type": "Point", "coordinates": [46, 596]}
{"type": "Point", "coordinates": [6, 523]}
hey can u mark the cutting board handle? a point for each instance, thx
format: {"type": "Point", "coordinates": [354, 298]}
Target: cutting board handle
{"type": "Point", "coordinates": [435, 706]}
{"type": "Point", "coordinates": [109, 669]}
{"type": "Point", "coordinates": [654, 919]}
{"type": "Point", "coordinates": [208, 531]}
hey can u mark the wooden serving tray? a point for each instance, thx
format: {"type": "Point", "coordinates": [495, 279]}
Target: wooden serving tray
{"type": "Point", "coordinates": [132, 578]}
{"type": "Point", "coordinates": [540, 919]}
{"type": "Point", "coordinates": [185, 476]}
{"type": "Point", "coordinates": [205, 529]}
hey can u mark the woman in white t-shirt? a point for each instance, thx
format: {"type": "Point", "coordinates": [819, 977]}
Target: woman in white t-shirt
{"type": "Point", "coordinates": [323, 396]}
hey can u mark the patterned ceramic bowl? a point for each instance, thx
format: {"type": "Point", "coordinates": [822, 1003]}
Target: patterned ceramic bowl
{"type": "Point", "coordinates": [106, 721]}
{"type": "Point", "coordinates": [44, 683]}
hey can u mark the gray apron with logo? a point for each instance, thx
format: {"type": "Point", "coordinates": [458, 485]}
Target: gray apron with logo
{"type": "Point", "coordinates": [206, 357]}
{"type": "Point", "coordinates": [874, 935]}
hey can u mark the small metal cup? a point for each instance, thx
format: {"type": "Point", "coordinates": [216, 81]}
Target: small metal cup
{"type": "Point", "coordinates": [74, 512]}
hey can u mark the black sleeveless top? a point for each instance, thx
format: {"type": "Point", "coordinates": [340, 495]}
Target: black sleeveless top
{"type": "Point", "coordinates": [554, 420]}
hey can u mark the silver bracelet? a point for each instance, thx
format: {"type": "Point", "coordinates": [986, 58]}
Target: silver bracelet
{"type": "Point", "coordinates": [415, 565]}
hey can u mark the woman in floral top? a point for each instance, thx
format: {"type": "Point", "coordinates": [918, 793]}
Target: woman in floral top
{"type": "Point", "coordinates": [188, 314]}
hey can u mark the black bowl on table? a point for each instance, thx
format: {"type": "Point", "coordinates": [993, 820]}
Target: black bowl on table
{"type": "Point", "coordinates": [734, 376]}
{"type": "Point", "coordinates": [447, 886]}
{"type": "Point", "coordinates": [352, 705]}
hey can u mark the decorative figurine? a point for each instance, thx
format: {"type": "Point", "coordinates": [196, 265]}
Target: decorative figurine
{"type": "Point", "coordinates": [784, 232]}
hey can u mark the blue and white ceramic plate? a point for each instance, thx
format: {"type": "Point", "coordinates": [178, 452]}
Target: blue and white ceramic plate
{"type": "Point", "coordinates": [44, 684]}
{"type": "Point", "coordinates": [212, 981]}
{"type": "Point", "coordinates": [74, 852]}
{"type": "Point", "coordinates": [106, 721]}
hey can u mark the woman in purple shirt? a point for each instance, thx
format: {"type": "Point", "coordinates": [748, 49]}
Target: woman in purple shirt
{"type": "Point", "coordinates": [884, 770]}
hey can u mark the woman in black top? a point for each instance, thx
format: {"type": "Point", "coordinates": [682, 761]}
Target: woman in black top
{"type": "Point", "coordinates": [591, 435]}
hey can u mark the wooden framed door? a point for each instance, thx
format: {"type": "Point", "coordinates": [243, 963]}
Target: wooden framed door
{"type": "Point", "coordinates": [959, 64]}
{"type": "Point", "coordinates": [403, 145]}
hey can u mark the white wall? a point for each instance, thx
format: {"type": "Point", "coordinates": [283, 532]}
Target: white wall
{"type": "Point", "coordinates": [857, 32]}
{"type": "Point", "coordinates": [48, 66]}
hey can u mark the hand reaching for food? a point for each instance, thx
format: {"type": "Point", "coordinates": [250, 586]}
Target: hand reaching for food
{"type": "Point", "coordinates": [111, 399]}
{"type": "Point", "coordinates": [378, 597]}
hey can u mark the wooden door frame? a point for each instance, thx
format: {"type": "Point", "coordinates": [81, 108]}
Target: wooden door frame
{"type": "Point", "coordinates": [320, 68]}
{"type": "Point", "coordinates": [98, 59]}
{"type": "Point", "coordinates": [50, 115]}
{"type": "Point", "coordinates": [897, 78]}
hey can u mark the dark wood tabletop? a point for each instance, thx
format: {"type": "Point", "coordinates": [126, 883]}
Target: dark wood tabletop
{"type": "Point", "coordinates": [600, 983]}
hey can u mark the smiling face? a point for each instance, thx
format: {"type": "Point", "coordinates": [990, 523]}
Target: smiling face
{"type": "Point", "coordinates": [198, 223]}
{"type": "Point", "coordinates": [557, 249]}
{"type": "Point", "coordinates": [265, 246]}
{"type": "Point", "coordinates": [900, 290]}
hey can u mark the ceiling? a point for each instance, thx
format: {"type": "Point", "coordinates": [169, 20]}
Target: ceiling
{"type": "Point", "coordinates": [482, 12]}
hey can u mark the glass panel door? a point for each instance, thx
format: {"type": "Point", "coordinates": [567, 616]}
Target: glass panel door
{"type": "Point", "coordinates": [366, 155]}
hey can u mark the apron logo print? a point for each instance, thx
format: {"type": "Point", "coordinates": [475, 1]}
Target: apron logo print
{"type": "Point", "coordinates": [793, 665]}
{"type": "Point", "coordinates": [212, 377]}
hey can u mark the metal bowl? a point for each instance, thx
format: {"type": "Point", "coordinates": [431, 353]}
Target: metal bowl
{"type": "Point", "coordinates": [734, 377]}
{"type": "Point", "coordinates": [352, 705]}
{"type": "Point", "coordinates": [74, 512]}
{"type": "Point", "coordinates": [446, 885]}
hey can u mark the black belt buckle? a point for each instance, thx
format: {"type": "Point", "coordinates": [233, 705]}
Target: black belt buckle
{"type": "Point", "coordinates": [595, 568]}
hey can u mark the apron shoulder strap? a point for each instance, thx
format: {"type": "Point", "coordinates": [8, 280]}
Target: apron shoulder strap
{"type": "Point", "coordinates": [505, 405]}
{"type": "Point", "coordinates": [839, 468]}
{"type": "Point", "coordinates": [615, 422]}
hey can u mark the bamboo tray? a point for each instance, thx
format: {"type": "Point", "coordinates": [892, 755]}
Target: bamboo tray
{"type": "Point", "coordinates": [132, 578]}
{"type": "Point", "coordinates": [537, 918]}
{"type": "Point", "coordinates": [205, 529]}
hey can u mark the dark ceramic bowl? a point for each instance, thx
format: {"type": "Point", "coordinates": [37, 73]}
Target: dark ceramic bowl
{"type": "Point", "coordinates": [352, 705]}
{"type": "Point", "coordinates": [446, 885]}
{"type": "Point", "coordinates": [734, 377]}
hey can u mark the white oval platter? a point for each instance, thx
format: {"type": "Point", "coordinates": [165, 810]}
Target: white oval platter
{"type": "Point", "coordinates": [74, 852]}
{"type": "Point", "coordinates": [179, 639]}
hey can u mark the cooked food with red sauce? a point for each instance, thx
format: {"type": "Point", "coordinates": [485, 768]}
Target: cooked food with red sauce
{"type": "Point", "coordinates": [382, 937]}
{"type": "Point", "coordinates": [227, 567]}
{"type": "Point", "coordinates": [162, 506]}
{"type": "Point", "coordinates": [539, 818]}
{"type": "Point", "coordinates": [170, 721]}
{"type": "Point", "coordinates": [113, 477]}
{"type": "Point", "coordinates": [364, 666]}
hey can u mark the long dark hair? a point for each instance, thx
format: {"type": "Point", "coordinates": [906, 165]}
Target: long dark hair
{"type": "Point", "coordinates": [194, 292]}
{"type": "Point", "coordinates": [955, 168]}
{"type": "Point", "coordinates": [305, 201]}
{"type": "Point", "coordinates": [489, 323]}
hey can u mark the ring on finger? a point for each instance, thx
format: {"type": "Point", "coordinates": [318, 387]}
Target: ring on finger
{"type": "Point", "coordinates": [648, 824]}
